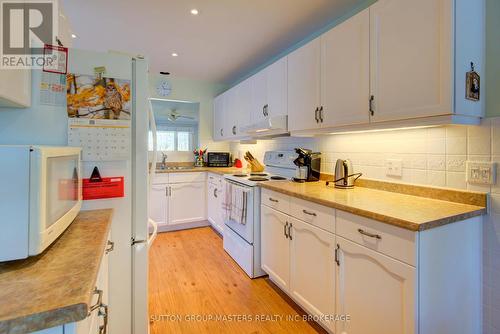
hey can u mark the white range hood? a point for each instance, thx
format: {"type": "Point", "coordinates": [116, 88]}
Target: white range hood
{"type": "Point", "coordinates": [270, 127]}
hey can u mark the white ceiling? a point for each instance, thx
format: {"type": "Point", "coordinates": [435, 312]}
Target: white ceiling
{"type": "Point", "coordinates": [228, 39]}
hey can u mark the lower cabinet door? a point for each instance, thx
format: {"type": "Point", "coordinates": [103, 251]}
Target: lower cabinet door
{"type": "Point", "coordinates": [219, 212]}
{"type": "Point", "coordinates": [375, 291]}
{"type": "Point", "coordinates": [275, 247]}
{"type": "Point", "coordinates": [312, 270]}
{"type": "Point", "coordinates": [212, 204]}
{"type": "Point", "coordinates": [187, 203]}
{"type": "Point", "coordinates": [158, 203]}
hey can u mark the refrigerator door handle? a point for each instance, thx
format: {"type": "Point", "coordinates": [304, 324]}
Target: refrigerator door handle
{"type": "Point", "coordinates": [153, 235]}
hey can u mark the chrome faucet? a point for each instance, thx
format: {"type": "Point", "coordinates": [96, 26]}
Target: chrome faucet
{"type": "Point", "coordinates": [163, 161]}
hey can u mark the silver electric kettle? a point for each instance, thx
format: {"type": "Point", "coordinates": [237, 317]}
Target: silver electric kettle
{"type": "Point", "coordinates": [344, 176]}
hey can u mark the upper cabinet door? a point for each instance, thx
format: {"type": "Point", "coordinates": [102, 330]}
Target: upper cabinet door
{"type": "Point", "coordinates": [276, 75]}
{"type": "Point", "coordinates": [345, 72]}
{"type": "Point", "coordinates": [304, 68]}
{"type": "Point", "coordinates": [243, 106]}
{"type": "Point", "coordinates": [218, 126]}
{"type": "Point", "coordinates": [411, 57]}
{"type": "Point", "coordinates": [378, 292]}
{"type": "Point", "coordinates": [259, 96]}
{"type": "Point", "coordinates": [230, 114]}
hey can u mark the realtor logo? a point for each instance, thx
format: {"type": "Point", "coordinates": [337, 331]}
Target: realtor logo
{"type": "Point", "coordinates": [25, 28]}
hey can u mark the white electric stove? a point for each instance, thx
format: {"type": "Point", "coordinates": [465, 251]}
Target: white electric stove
{"type": "Point", "coordinates": [242, 241]}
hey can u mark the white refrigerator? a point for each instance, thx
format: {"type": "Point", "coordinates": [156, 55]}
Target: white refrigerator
{"type": "Point", "coordinates": [128, 263]}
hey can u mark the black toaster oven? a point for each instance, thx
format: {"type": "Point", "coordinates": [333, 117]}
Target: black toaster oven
{"type": "Point", "coordinates": [219, 159]}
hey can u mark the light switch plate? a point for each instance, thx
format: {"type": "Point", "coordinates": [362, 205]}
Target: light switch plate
{"type": "Point", "coordinates": [394, 167]}
{"type": "Point", "coordinates": [481, 172]}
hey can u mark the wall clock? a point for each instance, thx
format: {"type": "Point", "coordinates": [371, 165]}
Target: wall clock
{"type": "Point", "coordinates": [163, 88]}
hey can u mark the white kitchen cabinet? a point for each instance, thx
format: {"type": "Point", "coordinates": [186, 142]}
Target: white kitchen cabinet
{"type": "Point", "coordinates": [411, 58]}
{"type": "Point", "coordinates": [218, 126]}
{"type": "Point", "coordinates": [158, 203]}
{"type": "Point", "coordinates": [312, 269]}
{"type": "Point", "coordinates": [182, 200]}
{"type": "Point", "coordinates": [345, 73]}
{"type": "Point", "coordinates": [98, 317]}
{"type": "Point", "coordinates": [187, 203]}
{"type": "Point", "coordinates": [215, 194]}
{"type": "Point", "coordinates": [378, 292]}
{"type": "Point", "coordinates": [387, 279]}
{"type": "Point", "coordinates": [269, 92]}
{"type": "Point", "coordinates": [275, 248]}
{"type": "Point", "coordinates": [233, 112]}
{"type": "Point", "coordinates": [304, 77]}
{"type": "Point", "coordinates": [15, 88]}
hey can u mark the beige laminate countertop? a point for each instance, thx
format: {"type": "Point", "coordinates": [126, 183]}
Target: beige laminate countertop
{"type": "Point", "coordinates": [215, 170]}
{"type": "Point", "coordinates": [55, 287]}
{"type": "Point", "coordinates": [411, 212]}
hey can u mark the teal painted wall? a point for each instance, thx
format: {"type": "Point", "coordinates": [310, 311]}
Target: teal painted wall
{"type": "Point", "coordinates": [492, 58]}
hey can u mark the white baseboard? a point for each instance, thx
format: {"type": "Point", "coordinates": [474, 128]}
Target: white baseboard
{"type": "Point", "coordinates": [183, 226]}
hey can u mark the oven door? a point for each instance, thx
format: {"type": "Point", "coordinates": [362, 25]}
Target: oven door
{"type": "Point", "coordinates": [244, 230]}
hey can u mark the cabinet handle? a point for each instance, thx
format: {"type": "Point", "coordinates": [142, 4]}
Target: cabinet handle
{"type": "Point", "coordinates": [290, 231]}
{"type": "Point", "coordinates": [103, 312]}
{"type": "Point", "coordinates": [337, 255]}
{"type": "Point", "coordinates": [285, 230]}
{"type": "Point", "coordinates": [234, 129]}
{"type": "Point", "coordinates": [273, 200]}
{"type": "Point", "coordinates": [316, 115]}
{"type": "Point", "coordinates": [215, 193]}
{"type": "Point", "coordinates": [372, 100]}
{"type": "Point", "coordinates": [309, 213]}
{"type": "Point", "coordinates": [368, 234]}
{"type": "Point", "coordinates": [111, 247]}
{"type": "Point", "coordinates": [265, 110]}
{"type": "Point", "coordinates": [222, 132]}
{"type": "Point", "coordinates": [98, 303]}
{"type": "Point", "coordinates": [166, 191]}
{"type": "Point", "coordinates": [321, 114]}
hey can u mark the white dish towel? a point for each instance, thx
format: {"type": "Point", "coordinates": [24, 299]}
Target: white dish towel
{"type": "Point", "coordinates": [227, 201]}
{"type": "Point", "coordinates": [239, 205]}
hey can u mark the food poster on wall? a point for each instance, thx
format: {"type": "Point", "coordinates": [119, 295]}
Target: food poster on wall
{"type": "Point", "coordinates": [97, 97]}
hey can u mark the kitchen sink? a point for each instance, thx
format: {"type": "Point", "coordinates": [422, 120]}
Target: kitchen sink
{"type": "Point", "coordinates": [175, 168]}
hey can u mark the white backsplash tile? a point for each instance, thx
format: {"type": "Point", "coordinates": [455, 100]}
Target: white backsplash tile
{"type": "Point", "coordinates": [436, 162]}
{"type": "Point", "coordinates": [456, 163]}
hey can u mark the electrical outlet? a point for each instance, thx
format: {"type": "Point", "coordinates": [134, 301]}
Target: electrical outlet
{"type": "Point", "coordinates": [394, 167]}
{"type": "Point", "coordinates": [481, 172]}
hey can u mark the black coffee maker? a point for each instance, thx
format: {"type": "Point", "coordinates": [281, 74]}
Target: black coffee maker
{"type": "Point", "coordinates": [308, 165]}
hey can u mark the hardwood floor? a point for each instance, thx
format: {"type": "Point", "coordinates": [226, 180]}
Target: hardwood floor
{"type": "Point", "coordinates": [191, 275]}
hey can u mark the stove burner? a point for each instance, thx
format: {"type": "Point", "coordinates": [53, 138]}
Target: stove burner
{"type": "Point", "coordinates": [239, 175]}
{"type": "Point", "coordinates": [258, 174]}
{"type": "Point", "coordinates": [258, 179]}
{"type": "Point", "coordinates": [278, 178]}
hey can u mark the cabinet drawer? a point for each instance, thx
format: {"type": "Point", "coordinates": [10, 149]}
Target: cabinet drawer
{"type": "Point", "coordinates": [214, 179]}
{"type": "Point", "coordinates": [275, 200]}
{"type": "Point", "coordinates": [160, 178]}
{"type": "Point", "coordinates": [186, 177]}
{"type": "Point", "coordinates": [390, 240]}
{"type": "Point", "coordinates": [313, 213]}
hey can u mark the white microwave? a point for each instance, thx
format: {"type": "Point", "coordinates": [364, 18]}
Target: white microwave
{"type": "Point", "coordinates": [40, 196]}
